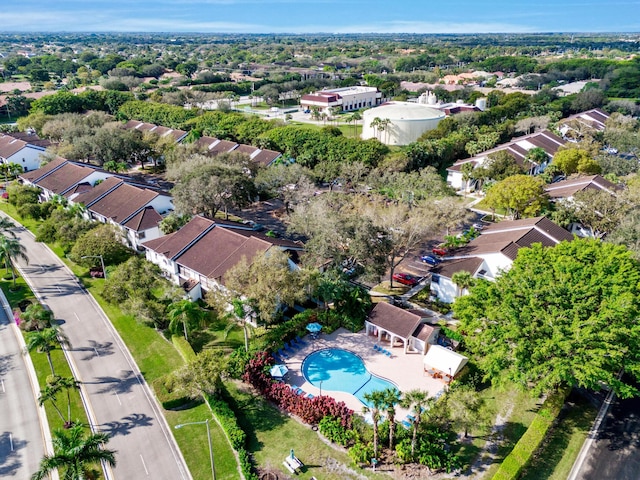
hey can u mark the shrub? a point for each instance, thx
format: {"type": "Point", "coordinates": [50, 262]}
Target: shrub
{"type": "Point", "coordinates": [184, 348]}
{"type": "Point", "coordinates": [309, 410]}
{"type": "Point", "coordinates": [167, 394]}
{"type": "Point", "coordinates": [361, 453]}
{"type": "Point", "coordinates": [246, 465]}
{"type": "Point", "coordinates": [333, 430]}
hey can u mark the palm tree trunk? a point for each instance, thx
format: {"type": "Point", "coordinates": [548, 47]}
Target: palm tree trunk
{"type": "Point", "coordinates": [246, 336]}
{"type": "Point", "coordinates": [184, 326]}
{"type": "Point", "coordinates": [375, 439]}
{"type": "Point", "coordinates": [50, 362]}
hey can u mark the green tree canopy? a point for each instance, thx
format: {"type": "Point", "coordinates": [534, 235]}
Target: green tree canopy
{"type": "Point", "coordinates": [561, 316]}
{"type": "Point", "coordinates": [519, 195]}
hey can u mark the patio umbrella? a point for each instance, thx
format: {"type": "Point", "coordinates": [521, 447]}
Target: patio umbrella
{"type": "Point", "coordinates": [314, 327]}
{"type": "Point", "coordinates": [279, 371]}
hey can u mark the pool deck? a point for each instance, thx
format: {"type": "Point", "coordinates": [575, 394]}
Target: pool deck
{"type": "Point", "coordinates": [404, 370]}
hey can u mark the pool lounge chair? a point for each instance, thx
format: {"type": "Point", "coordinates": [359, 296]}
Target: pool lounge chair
{"type": "Point", "coordinates": [406, 424]}
{"type": "Point", "coordinates": [300, 341]}
{"type": "Point", "coordinates": [289, 350]}
{"type": "Point", "coordinates": [282, 354]}
{"type": "Point", "coordinates": [277, 358]}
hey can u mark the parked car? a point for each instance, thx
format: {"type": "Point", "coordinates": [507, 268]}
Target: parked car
{"type": "Point", "coordinates": [478, 226]}
{"type": "Point", "coordinates": [430, 260]}
{"type": "Point", "coordinates": [439, 250]}
{"type": "Point", "coordinates": [406, 279]}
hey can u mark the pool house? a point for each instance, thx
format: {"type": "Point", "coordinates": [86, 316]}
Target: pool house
{"type": "Point", "coordinates": [395, 327]}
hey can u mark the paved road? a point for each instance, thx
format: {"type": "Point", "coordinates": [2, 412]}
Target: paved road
{"type": "Point", "coordinates": [119, 401]}
{"type": "Point", "coordinates": [615, 454]}
{"type": "Point", "coordinates": [21, 441]}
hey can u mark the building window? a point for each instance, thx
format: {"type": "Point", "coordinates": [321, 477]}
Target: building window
{"type": "Point", "coordinates": [141, 235]}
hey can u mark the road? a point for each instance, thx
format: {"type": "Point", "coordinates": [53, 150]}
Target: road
{"type": "Point", "coordinates": [21, 441]}
{"type": "Point", "coordinates": [118, 399]}
{"type": "Point", "coordinates": [615, 453]}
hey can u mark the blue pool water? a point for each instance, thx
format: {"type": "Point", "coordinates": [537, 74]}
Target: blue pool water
{"type": "Point", "coordinates": [341, 371]}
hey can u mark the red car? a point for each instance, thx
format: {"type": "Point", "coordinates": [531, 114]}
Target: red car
{"type": "Point", "coordinates": [439, 250]}
{"type": "Point", "coordinates": [406, 279]}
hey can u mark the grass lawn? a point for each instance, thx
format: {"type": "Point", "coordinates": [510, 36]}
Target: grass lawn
{"type": "Point", "coordinates": [499, 401]}
{"type": "Point", "coordinates": [384, 287]}
{"type": "Point", "coordinates": [556, 457]}
{"type": "Point", "coordinates": [482, 205]}
{"type": "Point", "coordinates": [195, 437]}
{"type": "Point", "coordinates": [271, 434]}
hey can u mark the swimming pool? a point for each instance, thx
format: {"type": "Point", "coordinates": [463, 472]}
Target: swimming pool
{"type": "Point", "coordinates": [342, 371]}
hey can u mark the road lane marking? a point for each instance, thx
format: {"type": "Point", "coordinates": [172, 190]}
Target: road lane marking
{"type": "Point", "coordinates": [144, 465]}
{"type": "Point", "coordinates": [117, 397]}
{"type": "Point", "coordinates": [96, 350]}
{"type": "Point", "coordinates": [59, 289]}
{"type": "Point", "coordinates": [2, 382]}
{"type": "Point", "coordinates": [76, 316]}
{"type": "Point", "coordinates": [11, 441]}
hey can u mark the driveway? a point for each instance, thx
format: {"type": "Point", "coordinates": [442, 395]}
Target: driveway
{"type": "Point", "coordinates": [21, 440]}
{"type": "Point", "coordinates": [117, 398]}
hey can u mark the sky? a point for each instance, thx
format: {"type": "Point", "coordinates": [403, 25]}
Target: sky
{"type": "Point", "coordinates": [320, 16]}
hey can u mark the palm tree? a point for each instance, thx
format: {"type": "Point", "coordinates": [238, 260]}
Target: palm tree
{"type": "Point", "coordinates": [463, 280]}
{"type": "Point", "coordinates": [184, 313]}
{"type": "Point", "coordinates": [10, 250]}
{"type": "Point", "coordinates": [7, 226]}
{"type": "Point", "coordinates": [418, 402]}
{"type": "Point", "coordinates": [240, 315]}
{"type": "Point", "coordinates": [391, 398]}
{"type": "Point", "coordinates": [74, 453]}
{"type": "Point", "coordinates": [383, 126]}
{"type": "Point", "coordinates": [35, 317]}
{"type": "Point", "coordinates": [66, 384]}
{"type": "Point", "coordinates": [49, 394]}
{"type": "Point", "coordinates": [376, 401]}
{"type": "Point", "coordinates": [45, 341]}
{"type": "Point", "coordinates": [355, 117]}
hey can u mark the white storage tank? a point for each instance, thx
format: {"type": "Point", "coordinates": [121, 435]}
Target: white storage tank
{"type": "Point", "coordinates": [399, 123]}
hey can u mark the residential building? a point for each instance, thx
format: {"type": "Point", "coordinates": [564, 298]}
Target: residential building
{"type": "Point", "coordinates": [22, 149]}
{"type": "Point", "coordinates": [494, 251]}
{"type": "Point", "coordinates": [200, 254]}
{"type": "Point", "coordinates": [214, 146]}
{"type": "Point", "coordinates": [573, 128]}
{"type": "Point", "coordinates": [518, 148]}
{"type": "Point", "coordinates": [162, 132]}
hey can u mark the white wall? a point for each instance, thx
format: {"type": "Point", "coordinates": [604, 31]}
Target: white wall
{"type": "Point", "coordinates": [28, 158]}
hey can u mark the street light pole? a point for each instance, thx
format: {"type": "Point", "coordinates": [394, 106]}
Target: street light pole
{"type": "Point", "coordinates": [206, 422]}
{"type": "Point", "coordinates": [320, 387]}
{"type": "Point", "coordinates": [101, 262]}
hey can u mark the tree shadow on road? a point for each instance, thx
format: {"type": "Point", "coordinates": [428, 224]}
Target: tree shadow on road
{"type": "Point", "coordinates": [10, 463]}
{"type": "Point", "coordinates": [96, 349]}
{"type": "Point", "coordinates": [127, 424]}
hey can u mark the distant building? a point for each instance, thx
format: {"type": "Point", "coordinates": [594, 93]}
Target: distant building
{"type": "Point", "coordinates": [347, 98]}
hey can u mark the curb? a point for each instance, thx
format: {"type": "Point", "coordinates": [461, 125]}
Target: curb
{"type": "Point", "coordinates": [33, 380]}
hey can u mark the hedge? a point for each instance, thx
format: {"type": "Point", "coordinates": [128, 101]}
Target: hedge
{"type": "Point", "coordinates": [523, 452]}
{"type": "Point", "coordinates": [184, 348]}
{"type": "Point", "coordinates": [229, 423]}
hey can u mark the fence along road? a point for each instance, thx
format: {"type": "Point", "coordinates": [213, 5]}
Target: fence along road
{"type": "Point", "coordinates": [116, 396]}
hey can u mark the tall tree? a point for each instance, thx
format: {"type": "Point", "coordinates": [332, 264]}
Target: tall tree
{"type": "Point", "coordinates": [203, 374]}
{"type": "Point", "coordinates": [519, 195]}
{"type": "Point", "coordinates": [419, 402]}
{"type": "Point", "coordinates": [463, 280]}
{"type": "Point", "coordinates": [184, 315]}
{"type": "Point", "coordinates": [268, 282]}
{"type": "Point", "coordinates": [376, 404]}
{"type": "Point", "coordinates": [75, 453]}
{"type": "Point", "coordinates": [10, 250]}
{"type": "Point", "coordinates": [561, 316]}
{"type": "Point", "coordinates": [392, 398]}
{"type": "Point", "coordinates": [465, 405]}
{"type": "Point", "coordinates": [46, 340]}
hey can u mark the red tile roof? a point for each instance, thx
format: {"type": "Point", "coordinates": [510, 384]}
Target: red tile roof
{"type": "Point", "coordinates": [64, 178]}
{"type": "Point", "coordinates": [122, 202]}
{"type": "Point", "coordinates": [568, 188]}
{"type": "Point", "coordinates": [34, 175]}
